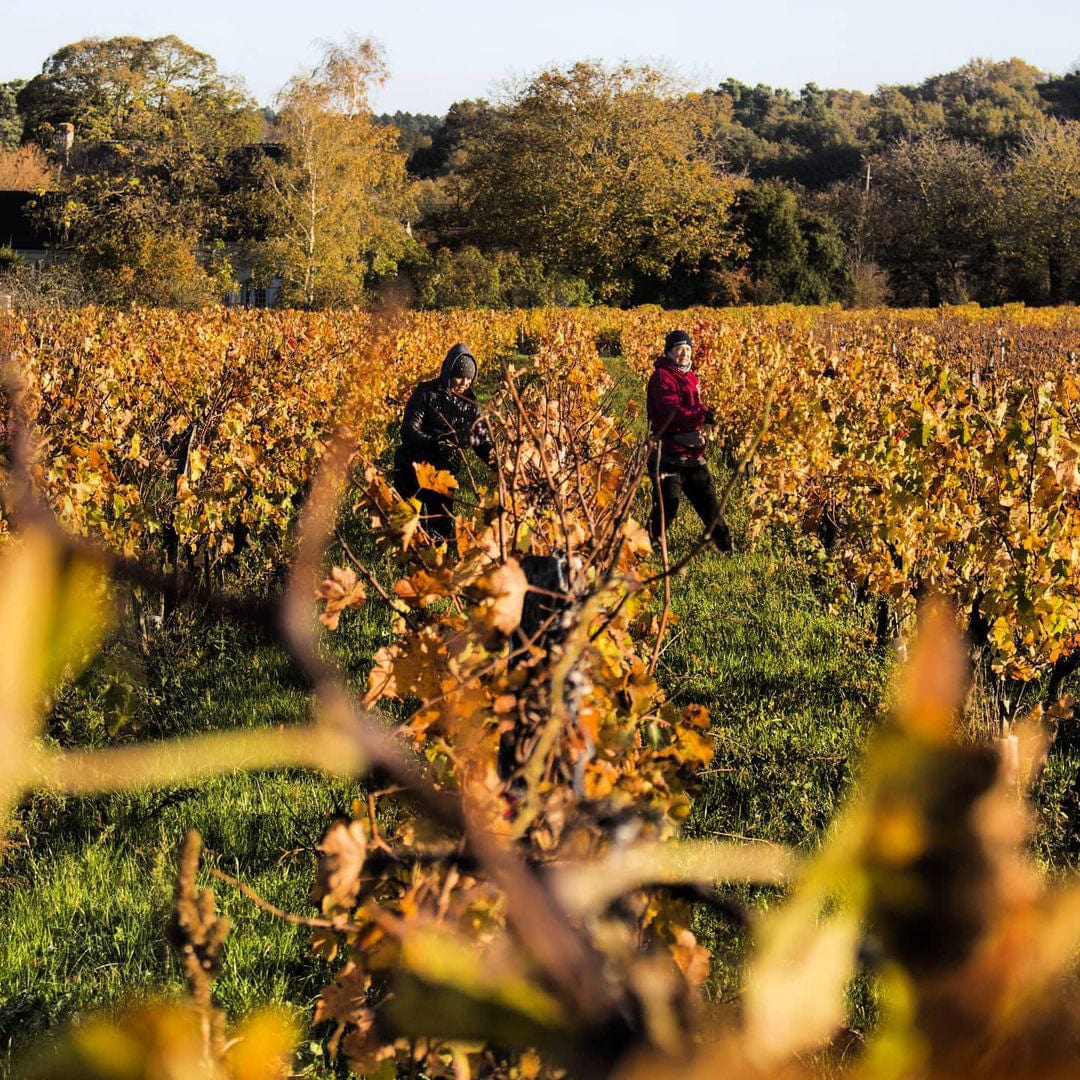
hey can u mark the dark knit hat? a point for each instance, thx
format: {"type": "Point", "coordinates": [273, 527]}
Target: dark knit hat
{"type": "Point", "coordinates": [676, 337]}
{"type": "Point", "coordinates": [464, 367]}
{"type": "Point", "coordinates": [459, 363]}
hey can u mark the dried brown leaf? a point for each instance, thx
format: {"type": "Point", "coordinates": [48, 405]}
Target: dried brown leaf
{"type": "Point", "coordinates": [344, 848]}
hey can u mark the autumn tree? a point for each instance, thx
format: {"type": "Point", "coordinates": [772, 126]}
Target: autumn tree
{"type": "Point", "coordinates": [155, 123]}
{"type": "Point", "coordinates": [131, 89]}
{"type": "Point", "coordinates": [935, 219]}
{"type": "Point", "coordinates": [340, 198]}
{"type": "Point", "coordinates": [600, 174]}
{"type": "Point", "coordinates": [1044, 211]}
{"type": "Point", "coordinates": [25, 168]}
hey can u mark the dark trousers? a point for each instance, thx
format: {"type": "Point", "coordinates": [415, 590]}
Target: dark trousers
{"type": "Point", "coordinates": [437, 510]}
{"type": "Point", "coordinates": [670, 482]}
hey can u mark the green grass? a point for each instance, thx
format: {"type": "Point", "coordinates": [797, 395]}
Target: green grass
{"type": "Point", "coordinates": [87, 882]}
{"type": "Point", "coordinates": [793, 687]}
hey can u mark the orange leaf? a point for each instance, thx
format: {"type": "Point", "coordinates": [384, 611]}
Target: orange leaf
{"type": "Point", "coordinates": [340, 590]}
{"type": "Point", "coordinates": [637, 539]}
{"type": "Point", "coordinates": [696, 716]}
{"type": "Point", "coordinates": [427, 476]}
{"type": "Point", "coordinates": [600, 778]}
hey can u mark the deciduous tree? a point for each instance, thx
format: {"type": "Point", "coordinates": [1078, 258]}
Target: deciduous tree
{"type": "Point", "coordinates": [936, 218]}
{"type": "Point", "coordinates": [11, 124]}
{"type": "Point", "coordinates": [340, 197]}
{"type": "Point", "coordinates": [601, 174]}
{"type": "Point", "coordinates": [1043, 222]}
{"type": "Point", "coordinates": [130, 89]}
{"type": "Point", "coordinates": [154, 126]}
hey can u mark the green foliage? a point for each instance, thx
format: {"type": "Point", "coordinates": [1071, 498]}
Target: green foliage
{"type": "Point", "coordinates": [819, 136]}
{"type": "Point", "coordinates": [415, 130]}
{"type": "Point", "coordinates": [811, 138]}
{"type": "Point", "coordinates": [447, 151]}
{"type": "Point", "coordinates": [796, 254]}
{"type": "Point", "coordinates": [11, 124]}
{"type": "Point", "coordinates": [467, 278]}
{"type": "Point", "coordinates": [1063, 95]}
{"type": "Point", "coordinates": [580, 184]}
{"type": "Point", "coordinates": [598, 173]}
{"type": "Point", "coordinates": [986, 102]}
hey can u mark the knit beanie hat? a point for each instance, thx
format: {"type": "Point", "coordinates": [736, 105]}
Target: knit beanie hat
{"type": "Point", "coordinates": [676, 337]}
{"type": "Point", "coordinates": [458, 363]}
{"type": "Point", "coordinates": [464, 367]}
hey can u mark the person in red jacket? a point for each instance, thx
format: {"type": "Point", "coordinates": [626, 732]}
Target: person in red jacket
{"type": "Point", "coordinates": [677, 465]}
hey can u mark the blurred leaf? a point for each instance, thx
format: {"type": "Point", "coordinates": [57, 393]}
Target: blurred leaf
{"type": "Point", "coordinates": [162, 1041]}
{"type": "Point", "coordinates": [450, 989]}
{"type": "Point", "coordinates": [53, 611]}
{"type": "Point", "coordinates": [636, 537]}
{"type": "Point", "coordinates": [152, 1042]}
{"type": "Point", "coordinates": [588, 888]}
{"type": "Point", "coordinates": [795, 987]}
{"type": "Point", "coordinates": [935, 678]}
{"type": "Point", "coordinates": [692, 959]}
{"type": "Point", "coordinates": [262, 1049]}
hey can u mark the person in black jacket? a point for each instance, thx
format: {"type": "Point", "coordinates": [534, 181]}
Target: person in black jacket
{"type": "Point", "coordinates": [442, 419]}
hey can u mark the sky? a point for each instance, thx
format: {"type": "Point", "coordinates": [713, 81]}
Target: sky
{"type": "Point", "coordinates": [442, 52]}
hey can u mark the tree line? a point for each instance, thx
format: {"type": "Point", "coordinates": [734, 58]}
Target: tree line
{"type": "Point", "coordinates": [577, 185]}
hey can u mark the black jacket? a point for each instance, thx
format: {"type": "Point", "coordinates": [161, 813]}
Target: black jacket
{"type": "Point", "coordinates": [438, 424]}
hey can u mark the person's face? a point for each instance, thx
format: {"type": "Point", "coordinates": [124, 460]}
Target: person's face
{"type": "Point", "coordinates": [680, 354]}
{"type": "Point", "coordinates": [459, 384]}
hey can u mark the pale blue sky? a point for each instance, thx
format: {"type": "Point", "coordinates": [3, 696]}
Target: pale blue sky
{"type": "Point", "coordinates": [441, 52]}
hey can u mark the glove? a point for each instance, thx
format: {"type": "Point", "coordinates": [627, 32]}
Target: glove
{"type": "Point", "coordinates": [710, 416]}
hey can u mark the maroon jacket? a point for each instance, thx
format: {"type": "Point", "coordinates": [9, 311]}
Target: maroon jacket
{"type": "Point", "coordinates": [676, 413]}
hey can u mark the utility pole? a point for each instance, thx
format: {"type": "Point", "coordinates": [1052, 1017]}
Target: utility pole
{"type": "Point", "coordinates": [866, 188]}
